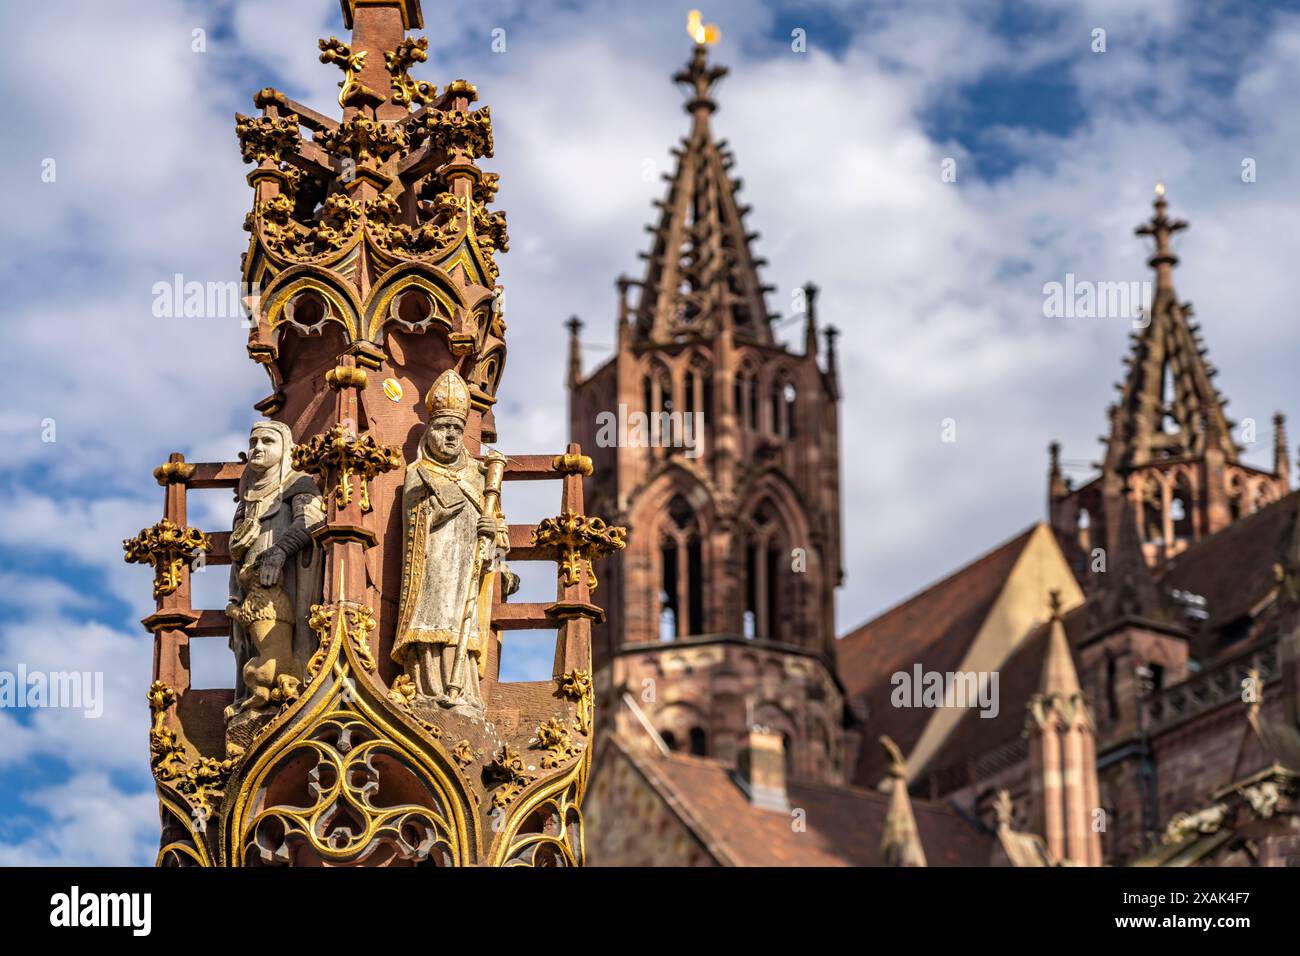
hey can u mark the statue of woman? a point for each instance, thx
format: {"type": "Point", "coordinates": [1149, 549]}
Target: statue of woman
{"type": "Point", "coordinates": [275, 572]}
{"type": "Point", "coordinates": [445, 608]}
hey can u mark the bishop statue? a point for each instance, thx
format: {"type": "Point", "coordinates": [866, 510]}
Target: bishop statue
{"type": "Point", "coordinates": [454, 537]}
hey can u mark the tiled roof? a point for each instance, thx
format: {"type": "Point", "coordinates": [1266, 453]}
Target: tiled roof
{"type": "Point", "coordinates": [1233, 570]}
{"type": "Point", "coordinates": [844, 825]}
{"type": "Point", "coordinates": [1018, 680]}
{"type": "Point", "coordinates": [935, 629]}
{"type": "Point", "coordinates": [1247, 550]}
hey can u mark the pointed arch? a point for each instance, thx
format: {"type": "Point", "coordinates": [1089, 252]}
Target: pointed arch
{"type": "Point", "coordinates": [1149, 497]}
{"type": "Point", "coordinates": [306, 298]}
{"type": "Point", "coordinates": [672, 516]}
{"type": "Point", "coordinates": [659, 393]}
{"type": "Point", "coordinates": [1234, 487]}
{"type": "Point", "coordinates": [745, 387]}
{"type": "Point", "coordinates": [1183, 520]}
{"type": "Point", "coordinates": [414, 296]}
{"type": "Point", "coordinates": [698, 392]}
{"type": "Point", "coordinates": [781, 402]}
{"type": "Point", "coordinates": [781, 567]}
{"type": "Point", "coordinates": [1257, 489]}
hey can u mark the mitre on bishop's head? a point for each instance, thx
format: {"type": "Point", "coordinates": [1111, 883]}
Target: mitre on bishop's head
{"type": "Point", "coordinates": [448, 396]}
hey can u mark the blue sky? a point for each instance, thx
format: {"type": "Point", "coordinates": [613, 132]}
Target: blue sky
{"type": "Point", "coordinates": [937, 286]}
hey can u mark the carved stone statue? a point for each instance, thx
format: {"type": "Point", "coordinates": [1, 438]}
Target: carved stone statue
{"type": "Point", "coordinates": [275, 573]}
{"type": "Point", "coordinates": [454, 537]}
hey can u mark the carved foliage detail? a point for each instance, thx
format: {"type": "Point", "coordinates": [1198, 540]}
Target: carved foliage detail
{"type": "Point", "coordinates": [203, 780]}
{"type": "Point", "coordinates": [506, 773]}
{"type": "Point", "coordinates": [553, 737]}
{"type": "Point", "coordinates": [407, 91]}
{"type": "Point", "coordinates": [337, 455]}
{"type": "Point", "coordinates": [165, 547]}
{"type": "Point", "coordinates": [576, 686]}
{"type": "Point", "coordinates": [580, 539]}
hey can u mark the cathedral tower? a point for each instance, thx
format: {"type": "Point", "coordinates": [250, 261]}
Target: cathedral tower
{"type": "Point", "coordinates": [1171, 460]}
{"type": "Point", "coordinates": [1172, 485]}
{"type": "Point", "coordinates": [719, 445]}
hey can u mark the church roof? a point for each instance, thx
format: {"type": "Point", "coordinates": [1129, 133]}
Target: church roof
{"type": "Point", "coordinates": [1029, 670]}
{"type": "Point", "coordinates": [845, 824]}
{"type": "Point", "coordinates": [1250, 547]}
{"type": "Point", "coordinates": [700, 269]}
{"type": "Point", "coordinates": [935, 628]}
{"type": "Point", "coordinates": [939, 621]}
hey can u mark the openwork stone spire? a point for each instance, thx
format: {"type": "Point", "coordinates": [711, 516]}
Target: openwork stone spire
{"type": "Point", "coordinates": [1169, 407]}
{"type": "Point", "coordinates": [700, 270]}
{"type": "Point", "coordinates": [733, 487]}
{"type": "Point", "coordinates": [1171, 465]}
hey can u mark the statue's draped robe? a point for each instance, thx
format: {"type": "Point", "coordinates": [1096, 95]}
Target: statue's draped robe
{"type": "Point", "coordinates": [284, 519]}
{"type": "Point", "coordinates": [439, 565]}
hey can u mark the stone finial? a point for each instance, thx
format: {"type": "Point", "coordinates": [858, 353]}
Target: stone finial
{"type": "Point", "coordinates": [1281, 464]}
{"type": "Point", "coordinates": [900, 841]}
{"type": "Point", "coordinates": [699, 78]}
{"type": "Point", "coordinates": [1161, 228]}
{"type": "Point", "coordinates": [810, 291]}
{"type": "Point", "coordinates": [574, 325]}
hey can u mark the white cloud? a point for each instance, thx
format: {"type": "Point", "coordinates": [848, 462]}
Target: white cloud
{"type": "Point", "coordinates": [91, 823]}
{"type": "Point", "coordinates": [119, 665]}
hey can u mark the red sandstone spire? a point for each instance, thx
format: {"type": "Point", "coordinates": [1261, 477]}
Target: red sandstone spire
{"type": "Point", "coordinates": [832, 363]}
{"type": "Point", "coordinates": [1057, 486]}
{"type": "Point", "coordinates": [1171, 460]}
{"type": "Point", "coordinates": [1169, 407]}
{"type": "Point", "coordinates": [700, 269]}
{"type": "Point", "coordinates": [737, 547]}
{"type": "Point", "coordinates": [810, 291]}
{"type": "Point", "coordinates": [1058, 677]}
{"type": "Point", "coordinates": [1062, 754]}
